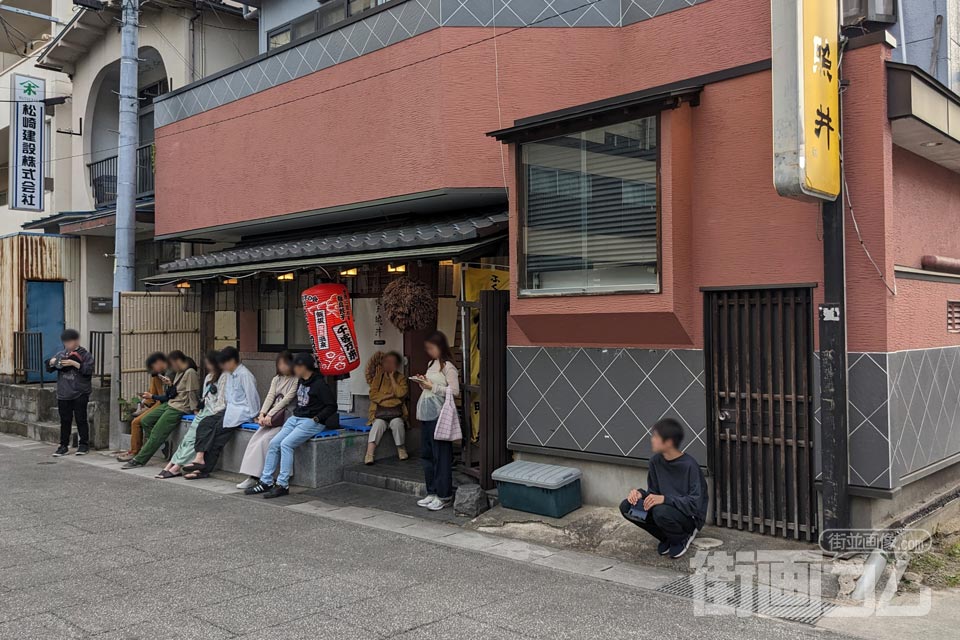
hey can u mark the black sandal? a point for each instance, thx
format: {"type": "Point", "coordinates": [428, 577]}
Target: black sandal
{"type": "Point", "coordinates": [166, 475]}
{"type": "Point", "coordinates": [196, 475]}
{"type": "Point", "coordinates": [193, 466]}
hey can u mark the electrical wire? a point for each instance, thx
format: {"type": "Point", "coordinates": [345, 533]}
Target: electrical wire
{"type": "Point", "coordinates": [374, 76]}
{"type": "Point", "coordinates": [233, 40]}
{"type": "Point", "coordinates": [496, 69]}
{"type": "Point", "coordinates": [849, 198]}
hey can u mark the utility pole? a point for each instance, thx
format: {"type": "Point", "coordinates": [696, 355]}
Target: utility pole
{"type": "Point", "coordinates": [833, 370]}
{"type": "Point", "coordinates": [124, 274]}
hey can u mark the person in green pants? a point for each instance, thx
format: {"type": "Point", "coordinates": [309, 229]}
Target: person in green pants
{"type": "Point", "coordinates": [212, 401]}
{"type": "Point", "coordinates": [179, 398]}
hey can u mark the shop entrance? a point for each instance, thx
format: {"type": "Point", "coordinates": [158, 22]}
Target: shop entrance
{"type": "Point", "coordinates": [759, 355]}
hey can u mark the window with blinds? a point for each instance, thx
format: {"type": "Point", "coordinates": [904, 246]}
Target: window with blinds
{"type": "Point", "coordinates": [953, 316]}
{"type": "Point", "coordinates": [590, 210]}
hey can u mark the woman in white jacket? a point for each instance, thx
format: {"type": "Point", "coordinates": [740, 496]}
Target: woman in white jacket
{"type": "Point", "coordinates": [283, 391]}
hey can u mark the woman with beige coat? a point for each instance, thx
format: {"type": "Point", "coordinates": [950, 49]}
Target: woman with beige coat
{"type": "Point", "coordinates": [283, 391]}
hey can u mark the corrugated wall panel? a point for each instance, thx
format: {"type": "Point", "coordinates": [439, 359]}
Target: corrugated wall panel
{"type": "Point", "coordinates": [28, 256]}
{"type": "Point", "coordinates": [153, 322]}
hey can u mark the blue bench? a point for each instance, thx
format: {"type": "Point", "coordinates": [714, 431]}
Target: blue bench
{"type": "Point", "coordinates": [347, 423]}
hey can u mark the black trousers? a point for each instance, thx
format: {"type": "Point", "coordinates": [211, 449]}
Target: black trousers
{"type": "Point", "coordinates": [665, 523]}
{"type": "Point", "coordinates": [70, 410]}
{"type": "Point", "coordinates": [436, 456]}
{"type": "Point", "coordinates": [211, 439]}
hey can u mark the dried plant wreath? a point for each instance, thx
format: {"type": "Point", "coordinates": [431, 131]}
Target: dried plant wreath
{"type": "Point", "coordinates": [409, 304]}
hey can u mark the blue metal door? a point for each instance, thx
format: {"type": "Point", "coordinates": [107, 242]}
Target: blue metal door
{"type": "Point", "coordinates": [45, 316]}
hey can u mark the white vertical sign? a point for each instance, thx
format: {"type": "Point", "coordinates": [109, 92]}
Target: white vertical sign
{"type": "Point", "coordinates": [26, 143]}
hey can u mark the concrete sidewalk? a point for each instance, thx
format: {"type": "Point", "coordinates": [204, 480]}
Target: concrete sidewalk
{"type": "Point", "coordinates": [89, 551]}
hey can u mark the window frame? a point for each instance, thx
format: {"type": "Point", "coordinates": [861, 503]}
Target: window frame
{"type": "Point", "coordinates": [315, 15]}
{"type": "Point", "coordinates": [578, 126]}
{"type": "Point", "coordinates": [276, 348]}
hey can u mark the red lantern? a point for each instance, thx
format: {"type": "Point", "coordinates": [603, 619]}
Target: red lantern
{"type": "Point", "coordinates": [330, 322]}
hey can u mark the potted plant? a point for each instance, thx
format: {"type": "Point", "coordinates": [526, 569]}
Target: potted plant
{"type": "Point", "coordinates": [127, 407]}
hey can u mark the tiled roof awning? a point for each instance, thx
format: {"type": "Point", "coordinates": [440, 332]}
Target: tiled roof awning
{"type": "Point", "coordinates": [450, 237]}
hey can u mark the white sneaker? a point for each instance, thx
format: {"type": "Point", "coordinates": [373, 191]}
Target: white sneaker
{"type": "Point", "coordinates": [425, 502]}
{"type": "Point", "coordinates": [438, 504]}
{"type": "Point", "coordinates": [246, 484]}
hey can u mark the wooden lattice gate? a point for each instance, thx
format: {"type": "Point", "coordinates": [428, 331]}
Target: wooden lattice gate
{"type": "Point", "coordinates": [759, 356]}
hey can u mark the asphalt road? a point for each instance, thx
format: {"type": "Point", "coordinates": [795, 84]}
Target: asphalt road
{"type": "Point", "coordinates": [92, 552]}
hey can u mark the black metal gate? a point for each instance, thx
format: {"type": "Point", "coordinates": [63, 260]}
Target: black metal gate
{"type": "Point", "coordinates": [489, 452]}
{"type": "Point", "coordinates": [759, 353]}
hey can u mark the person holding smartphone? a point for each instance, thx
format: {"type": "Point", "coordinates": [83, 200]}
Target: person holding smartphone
{"type": "Point", "coordinates": [74, 367]}
{"type": "Point", "coordinates": [156, 365]}
{"type": "Point", "coordinates": [673, 507]}
{"type": "Point", "coordinates": [181, 396]}
{"type": "Point", "coordinates": [436, 455]}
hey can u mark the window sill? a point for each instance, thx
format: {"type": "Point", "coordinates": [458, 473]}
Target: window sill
{"type": "Point", "coordinates": [534, 294]}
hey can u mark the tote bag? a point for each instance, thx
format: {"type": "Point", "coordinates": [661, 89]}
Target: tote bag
{"type": "Point", "coordinates": [448, 424]}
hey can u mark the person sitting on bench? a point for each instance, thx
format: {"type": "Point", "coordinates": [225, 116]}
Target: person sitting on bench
{"type": "Point", "coordinates": [674, 506]}
{"type": "Point", "coordinates": [316, 409]}
{"type": "Point", "coordinates": [180, 397]}
{"type": "Point", "coordinates": [242, 405]}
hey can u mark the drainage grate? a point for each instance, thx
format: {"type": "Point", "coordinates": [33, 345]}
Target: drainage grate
{"type": "Point", "coordinates": [749, 596]}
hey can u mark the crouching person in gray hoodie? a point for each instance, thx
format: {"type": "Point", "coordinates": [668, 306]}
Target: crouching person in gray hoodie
{"type": "Point", "coordinates": [74, 367]}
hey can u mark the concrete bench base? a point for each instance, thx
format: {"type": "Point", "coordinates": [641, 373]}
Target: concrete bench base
{"type": "Point", "coordinates": [318, 462]}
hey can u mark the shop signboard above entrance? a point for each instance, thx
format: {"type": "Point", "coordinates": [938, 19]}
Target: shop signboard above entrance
{"type": "Point", "coordinates": [806, 98]}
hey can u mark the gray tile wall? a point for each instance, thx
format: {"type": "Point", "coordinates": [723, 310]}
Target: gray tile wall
{"type": "Point", "coordinates": [903, 413]}
{"type": "Point", "coordinates": [604, 401]}
{"type": "Point", "coordinates": [924, 396]}
{"type": "Point", "coordinates": [400, 23]}
{"type": "Point", "coordinates": [904, 407]}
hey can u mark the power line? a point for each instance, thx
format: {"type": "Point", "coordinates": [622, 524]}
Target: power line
{"type": "Point", "coordinates": [359, 80]}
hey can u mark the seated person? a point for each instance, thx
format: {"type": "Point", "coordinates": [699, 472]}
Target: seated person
{"type": "Point", "coordinates": [674, 506]}
{"type": "Point", "coordinates": [388, 403]}
{"type": "Point", "coordinates": [211, 402]}
{"type": "Point", "coordinates": [159, 369]}
{"type": "Point", "coordinates": [316, 409]}
{"type": "Point", "coordinates": [242, 400]}
{"type": "Point", "coordinates": [273, 413]}
{"type": "Point", "coordinates": [180, 397]}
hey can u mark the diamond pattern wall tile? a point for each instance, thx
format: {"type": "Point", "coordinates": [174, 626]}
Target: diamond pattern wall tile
{"type": "Point", "coordinates": [399, 23]}
{"type": "Point", "coordinates": [604, 401]}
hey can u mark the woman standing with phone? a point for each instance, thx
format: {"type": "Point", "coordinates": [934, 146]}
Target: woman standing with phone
{"type": "Point", "coordinates": [436, 455]}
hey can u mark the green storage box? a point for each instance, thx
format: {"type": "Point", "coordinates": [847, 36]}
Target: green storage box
{"type": "Point", "coordinates": [544, 489]}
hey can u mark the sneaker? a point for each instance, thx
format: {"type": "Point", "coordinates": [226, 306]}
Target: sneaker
{"type": "Point", "coordinates": [663, 548]}
{"type": "Point", "coordinates": [82, 450]}
{"type": "Point", "coordinates": [402, 453]}
{"type": "Point", "coordinates": [276, 492]}
{"type": "Point", "coordinates": [426, 501]}
{"type": "Point", "coordinates": [60, 452]}
{"type": "Point", "coordinates": [258, 488]}
{"type": "Point", "coordinates": [248, 483]}
{"type": "Point", "coordinates": [677, 549]}
{"type": "Point", "coordinates": [439, 503]}
{"type": "Point", "coordinates": [133, 464]}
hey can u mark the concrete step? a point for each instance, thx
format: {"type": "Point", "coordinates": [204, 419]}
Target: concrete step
{"type": "Point", "coordinates": [40, 431]}
{"type": "Point", "coordinates": [393, 474]}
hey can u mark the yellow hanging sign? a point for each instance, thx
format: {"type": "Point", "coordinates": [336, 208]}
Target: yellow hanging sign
{"type": "Point", "coordinates": [806, 98]}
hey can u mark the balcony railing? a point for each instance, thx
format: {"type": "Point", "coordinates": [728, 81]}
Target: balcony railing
{"type": "Point", "coordinates": [103, 176]}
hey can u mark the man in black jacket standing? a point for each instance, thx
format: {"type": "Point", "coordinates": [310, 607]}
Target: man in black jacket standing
{"type": "Point", "coordinates": [74, 367]}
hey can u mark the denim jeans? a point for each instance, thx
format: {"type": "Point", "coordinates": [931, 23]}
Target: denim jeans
{"type": "Point", "coordinates": [294, 432]}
